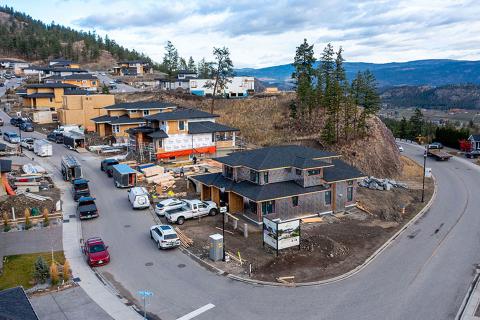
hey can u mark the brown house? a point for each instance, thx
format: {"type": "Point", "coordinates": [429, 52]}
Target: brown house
{"type": "Point", "coordinates": [286, 182]}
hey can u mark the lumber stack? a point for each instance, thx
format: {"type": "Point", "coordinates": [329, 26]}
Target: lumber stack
{"type": "Point", "coordinates": [185, 241]}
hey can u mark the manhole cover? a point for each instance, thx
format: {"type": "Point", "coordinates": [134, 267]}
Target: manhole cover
{"type": "Point", "coordinates": [148, 264]}
{"type": "Point", "coordinates": [181, 265]}
{"type": "Point", "coordinates": [127, 226]}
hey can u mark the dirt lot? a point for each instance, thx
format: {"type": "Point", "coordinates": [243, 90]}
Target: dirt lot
{"type": "Point", "coordinates": [329, 248]}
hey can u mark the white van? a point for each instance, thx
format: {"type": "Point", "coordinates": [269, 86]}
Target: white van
{"type": "Point", "coordinates": [138, 197]}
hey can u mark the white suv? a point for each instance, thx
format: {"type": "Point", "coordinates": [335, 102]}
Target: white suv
{"type": "Point", "coordinates": [167, 204]}
{"type": "Point", "coordinates": [164, 236]}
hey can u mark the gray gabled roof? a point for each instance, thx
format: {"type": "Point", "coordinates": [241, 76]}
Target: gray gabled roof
{"type": "Point", "coordinates": [126, 120]}
{"type": "Point", "coordinates": [102, 119]}
{"type": "Point", "coordinates": [140, 105]}
{"type": "Point", "coordinates": [341, 171]}
{"type": "Point", "coordinates": [278, 157]}
{"type": "Point", "coordinates": [208, 127]}
{"type": "Point", "coordinates": [51, 85]}
{"type": "Point", "coordinates": [40, 95]}
{"type": "Point", "coordinates": [14, 305]}
{"type": "Point", "coordinates": [475, 137]}
{"type": "Point", "coordinates": [180, 114]}
{"type": "Point", "coordinates": [79, 76]}
{"type": "Point", "coordinates": [159, 134]}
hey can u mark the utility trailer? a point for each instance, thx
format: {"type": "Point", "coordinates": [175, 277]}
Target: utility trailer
{"type": "Point", "coordinates": [124, 176]}
{"type": "Point", "coordinates": [439, 155]}
{"type": "Point", "coordinates": [71, 168]}
{"type": "Point", "coordinates": [74, 140]}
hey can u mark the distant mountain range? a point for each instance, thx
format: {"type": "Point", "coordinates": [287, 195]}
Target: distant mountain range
{"type": "Point", "coordinates": [413, 73]}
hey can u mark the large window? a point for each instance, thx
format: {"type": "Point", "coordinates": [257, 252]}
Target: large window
{"type": "Point", "coordinates": [349, 194]}
{"type": "Point", "coordinates": [268, 207]}
{"type": "Point", "coordinates": [229, 172]}
{"type": "Point", "coordinates": [298, 172]}
{"type": "Point", "coordinates": [295, 201]}
{"type": "Point", "coordinates": [181, 125]}
{"type": "Point", "coordinates": [328, 197]}
{"type": "Point", "coordinates": [146, 112]}
{"type": "Point", "coordinates": [116, 129]}
{"type": "Point", "coordinates": [313, 172]}
{"type": "Point", "coordinates": [254, 176]}
{"type": "Point", "coordinates": [265, 177]}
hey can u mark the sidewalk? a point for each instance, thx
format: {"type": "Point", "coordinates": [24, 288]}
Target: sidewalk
{"type": "Point", "coordinates": [470, 309]}
{"type": "Point", "coordinates": [81, 272]}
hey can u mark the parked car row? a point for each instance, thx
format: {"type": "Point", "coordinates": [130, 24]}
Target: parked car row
{"type": "Point", "coordinates": [23, 123]}
{"type": "Point", "coordinates": [11, 137]}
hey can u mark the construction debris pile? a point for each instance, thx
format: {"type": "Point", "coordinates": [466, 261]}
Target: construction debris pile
{"type": "Point", "coordinates": [33, 179]}
{"type": "Point", "coordinates": [381, 184]}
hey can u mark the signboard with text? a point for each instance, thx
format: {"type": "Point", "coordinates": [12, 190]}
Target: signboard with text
{"type": "Point", "coordinates": [281, 235]}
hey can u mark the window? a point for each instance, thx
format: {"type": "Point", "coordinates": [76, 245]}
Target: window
{"type": "Point", "coordinates": [295, 201]}
{"type": "Point", "coordinates": [350, 183]}
{"type": "Point", "coordinates": [268, 207]}
{"type": "Point", "coordinates": [328, 197]}
{"type": "Point", "coordinates": [181, 125]}
{"type": "Point", "coordinates": [159, 143]}
{"type": "Point", "coordinates": [146, 112]}
{"type": "Point", "coordinates": [229, 172]}
{"type": "Point", "coordinates": [349, 194]}
{"type": "Point", "coordinates": [298, 172]}
{"type": "Point", "coordinates": [193, 84]}
{"type": "Point", "coordinates": [313, 172]}
{"type": "Point", "coordinates": [252, 207]}
{"type": "Point", "coordinates": [51, 99]}
{"type": "Point", "coordinates": [265, 177]}
{"type": "Point", "coordinates": [254, 176]}
{"type": "Point", "coordinates": [115, 129]}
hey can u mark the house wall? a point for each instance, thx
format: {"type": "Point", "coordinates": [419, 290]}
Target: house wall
{"type": "Point", "coordinates": [115, 113]}
{"type": "Point", "coordinates": [308, 204]}
{"type": "Point", "coordinates": [123, 128]}
{"type": "Point", "coordinates": [176, 142]}
{"type": "Point", "coordinates": [237, 85]}
{"type": "Point", "coordinates": [235, 203]}
{"type": "Point", "coordinates": [80, 109]}
{"type": "Point", "coordinates": [89, 84]}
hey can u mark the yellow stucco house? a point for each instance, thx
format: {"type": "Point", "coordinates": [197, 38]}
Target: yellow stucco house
{"type": "Point", "coordinates": [46, 95]}
{"type": "Point", "coordinates": [85, 81]}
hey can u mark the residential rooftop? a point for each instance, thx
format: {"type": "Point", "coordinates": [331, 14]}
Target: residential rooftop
{"type": "Point", "coordinates": [80, 76]}
{"type": "Point", "coordinates": [141, 105]}
{"type": "Point", "coordinates": [15, 305]}
{"type": "Point", "coordinates": [180, 114]}
{"type": "Point", "coordinates": [279, 157]}
{"type": "Point", "coordinates": [51, 85]}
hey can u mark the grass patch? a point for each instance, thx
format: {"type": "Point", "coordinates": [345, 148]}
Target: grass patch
{"type": "Point", "coordinates": [18, 269]}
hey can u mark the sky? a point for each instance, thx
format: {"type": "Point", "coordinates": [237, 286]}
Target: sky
{"type": "Point", "coordinates": [266, 32]}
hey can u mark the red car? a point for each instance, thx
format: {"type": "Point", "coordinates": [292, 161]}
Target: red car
{"type": "Point", "coordinates": [96, 252]}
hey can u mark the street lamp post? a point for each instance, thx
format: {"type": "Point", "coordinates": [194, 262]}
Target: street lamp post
{"type": "Point", "coordinates": [424, 171]}
{"type": "Point", "coordinates": [144, 294]}
{"type": "Point", "coordinates": [223, 211]}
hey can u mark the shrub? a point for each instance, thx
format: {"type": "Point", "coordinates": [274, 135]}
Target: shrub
{"type": "Point", "coordinates": [6, 226]}
{"type": "Point", "coordinates": [66, 270]}
{"type": "Point", "coordinates": [46, 220]}
{"type": "Point", "coordinates": [28, 223]}
{"type": "Point", "coordinates": [40, 270]}
{"type": "Point", "coordinates": [54, 273]}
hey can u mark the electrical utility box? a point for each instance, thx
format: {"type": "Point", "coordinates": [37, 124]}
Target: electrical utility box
{"type": "Point", "coordinates": [216, 247]}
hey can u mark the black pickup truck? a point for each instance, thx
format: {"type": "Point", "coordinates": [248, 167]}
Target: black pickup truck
{"type": "Point", "coordinates": [80, 188]}
{"type": "Point", "coordinates": [87, 208]}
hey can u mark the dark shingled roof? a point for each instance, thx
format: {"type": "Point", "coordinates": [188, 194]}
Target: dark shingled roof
{"type": "Point", "coordinates": [5, 165]}
{"type": "Point", "coordinates": [208, 127]}
{"type": "Point", "coordinates": [76, 92]}
{"type": "Point", "coordinates": [257, 192]}
{"type": "Point", "coordinates": [341, 171]}
{"type": "Point", "coordinates": [140, 105]}
{"type": "Point", "coordinates": [126, 120]}
{"type": "Point", "coordinates": [63, 69]}
{"type": "Point", "coordinates": [159, 134]}
{"type": "Point", "coordinates": [476, 137]}
{"type": "Point", "coordinates": [278, 157]}
{"type": "Point", "coordinates": [102, 119]}
{"type": "Point", "coordinates": [40, 95]}
{"type": "Point", "coordinates": [51, 85]}
{"type": "Point", "coordinates": [143, 129]}
{"type": "Point", "coordinates": [14, 305]}
{"type": "Point", "coordinates": [80, 76]}
{"type": "Point", "coordinates": [180, 114]}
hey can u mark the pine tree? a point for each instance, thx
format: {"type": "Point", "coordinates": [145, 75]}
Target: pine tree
{"type": "Point", "coordinates": [416, 123]}
{"type": "Point", "coordinates": [182, 64]}
{"type": "Point", "coordinates": [303, 77]}
{"type": "Point", "coordinates": [204, 69]}
{"type": "Point", "coordinates": [170, 60]}
{"type": "Point", "coordinates": [330, 102]}
{"type": "Point", "coordinates": [191, 65]}
{"type": "Point", "coordinates": [222, 70]}
{"type": "Point", "coordinates": [403, 129]}
{"type": "Point", "coordinates": [41, 271]}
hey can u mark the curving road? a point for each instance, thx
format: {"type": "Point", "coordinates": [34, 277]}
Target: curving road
{"type": "Point", "coordinates": [424, 276]}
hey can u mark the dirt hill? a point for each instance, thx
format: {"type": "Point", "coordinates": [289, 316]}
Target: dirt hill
{"type": "Point", "coordinates": [264, 121]}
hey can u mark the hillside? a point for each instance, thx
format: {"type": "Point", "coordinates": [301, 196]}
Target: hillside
{"type": "Point", "coordinates": [444, 97]}
{"type": "Point", "coordinates": [23, 37]}
{"type": "Point", "coordinates": [413, 73]}
{"type": "Point", "coordinates": [376, 154]}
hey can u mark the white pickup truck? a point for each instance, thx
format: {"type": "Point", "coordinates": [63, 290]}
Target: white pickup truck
{"type": "Point", "coordinates": [191, 209]}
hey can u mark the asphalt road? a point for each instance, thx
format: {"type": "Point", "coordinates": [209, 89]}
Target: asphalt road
{"type": "Point", "coordinates": [424, 274]}
{"type": "Point", "coordinates": [121, 87]}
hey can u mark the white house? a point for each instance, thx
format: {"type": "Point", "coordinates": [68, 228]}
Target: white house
{"type": "Point", "coordinates": [237, 87]}
{"type": "Point", "coordinates": [181, 82]}
{"type": "Point", "coordinates": [475, 141]}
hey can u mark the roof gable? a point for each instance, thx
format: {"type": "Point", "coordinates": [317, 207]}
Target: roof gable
{"type": "Point", "coordinates": [181, 114]}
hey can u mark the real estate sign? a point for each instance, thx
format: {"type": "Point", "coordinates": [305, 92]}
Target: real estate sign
{"type": "Point", "coordinates": [281, 235]}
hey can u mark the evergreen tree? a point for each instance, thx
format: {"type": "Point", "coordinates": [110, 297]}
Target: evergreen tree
{"type": "Point", "coordinates": [191, 65]}
{"type": "Point", "coordinates": [403, 129]}
{"type": "Point", "coordinates": [170, 60]}
{"type": "Point", "coordinates": [222, 69]}
{"type": "Point", "coordinates": [204, 69]}
{"type": "Point", "coordinates": [41, 270]}
{"type": "Point", "coordinates": [182, 64]}
{"type": "Point", "coordinates": [303, 76]}
{"type": "Point", "coordinates": [416, 123]}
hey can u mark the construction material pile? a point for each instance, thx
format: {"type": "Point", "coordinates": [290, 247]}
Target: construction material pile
{"type": "Point", "coordinates": [381, 184]}
{"type": "Point", "coordinates": [155, 174]}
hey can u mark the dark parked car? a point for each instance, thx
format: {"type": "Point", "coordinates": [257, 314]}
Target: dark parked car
{"type": "Point", "coordinates": [107, 166]}
{"type": "Point", "coordinates": [1, 122]}
{"type": "Point", "coordinates": [26, 126]}
{"type": "Point", "coordinates": [87, 208]}
{"type": "Point", "coordinates": [435, 145]}
{"type": "Point", "coordinates": [55, 137]}
{"type": "Point", "coordinates": [15, 121]}
{"type": "Point", "coordinates": [80, 188]}
{"type": "Point", "coordinates": [2, 84]}
{"type": "Point", "coordinates": [473, 154]}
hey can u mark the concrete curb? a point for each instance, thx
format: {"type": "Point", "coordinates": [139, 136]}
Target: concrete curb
{"type": "Point", "coordinates": [334, 279]}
